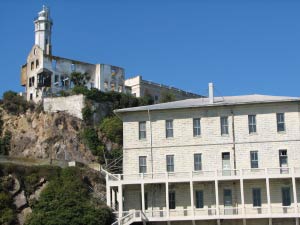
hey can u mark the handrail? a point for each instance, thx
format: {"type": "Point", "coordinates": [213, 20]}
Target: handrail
{"type": "Point", "coordinates": [213, 174]}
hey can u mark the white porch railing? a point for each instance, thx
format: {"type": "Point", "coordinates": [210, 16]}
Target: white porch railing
{"type": "Point", "coordinates": [209, 175]}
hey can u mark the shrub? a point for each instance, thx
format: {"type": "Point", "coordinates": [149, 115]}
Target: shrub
{"type": "Point", "coordinates": [167, 96]}
{"type": "Point", "coordinates": [66, 200]}
{"type": "Point", "coordinates": [87, 114]}
{"type": "Point", "coordinates": [14, 103]}
{"type": "Point", "coordinates": [90, 137]}
{"type": "Point", "coordinates": [112, 128]}
{"type": "Point", "coordinates": [5, 143]}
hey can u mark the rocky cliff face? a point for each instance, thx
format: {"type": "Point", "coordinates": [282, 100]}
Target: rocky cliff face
{"type": "Point", "coordinates": [46, 136]}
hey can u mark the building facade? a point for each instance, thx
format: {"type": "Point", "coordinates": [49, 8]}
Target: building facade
{"type": "Point", "coordinates": [140, 87]}
{"type": "Point", "coordinates": [45, 74]}
{"type": "Point", "coordinates": [216, 160]}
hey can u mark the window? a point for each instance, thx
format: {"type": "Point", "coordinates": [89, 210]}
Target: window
{"type": "Point", "coordinates": [143, 164]}
{"type": "Point", "coordinates": [283, 158]}
{"type": "Point", "coordinates": [197, 161]}
{"type": "Point", "coordinates": [73, 67]}
{"type": "Point", "coordinates": [254, 159]}
{"type": "Point", "coordinates": [31, 81]}
{"type": "Point", "coordinates": [142, 130]}
{"type": "Point", "coordinates": [199, 199]}
{"type": "Point", "coordinates": [196, 127]}
{"type": "Point", "coordinates": [146, 200]}
{"type": "Point", "coordinates": [256, 196]}
{"type": "Point", "coordinates": [169, 128]}
{"type": "Point", "coordinates": [286, 196]}
{"type": "Point", "coordinates": [56, 79]}
{"type": "Point", "coordinates": [252, 123]}
{"type": "Point", "coordinates": [170, 163]}
{"type": "Point", "coordinates": [172, 204]}
{"type": "Point", "coordinates": [32, 65]}
{"type": "Point", "coordinates": [31, 96]}
{"type": "Point", "coordinates": [54, 64]}
{"type": "Point", "coordinates": [224, 125]}
{"type": "Point", "coordinates": [280, 122]}
{"type": "Point", "coordinates": [37, 63]}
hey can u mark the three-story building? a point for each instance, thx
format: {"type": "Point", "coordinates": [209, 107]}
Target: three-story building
{"type": "Point", "coordinates": [215, 160]}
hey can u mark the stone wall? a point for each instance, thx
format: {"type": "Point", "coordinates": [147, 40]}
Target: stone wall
{"type": "Point", "coordinates": [71, 105]}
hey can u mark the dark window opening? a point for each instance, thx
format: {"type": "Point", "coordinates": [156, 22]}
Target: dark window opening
{"type": "Point", "coordinates": [44, 80]}
{"type": "Point", "coordinates": [172, 202]}
{"type": "Point", "coordinates": [37, 63]}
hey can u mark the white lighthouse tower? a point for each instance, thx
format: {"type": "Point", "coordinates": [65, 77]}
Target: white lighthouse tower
{"type": "Point", "coordinates": [42, 28]}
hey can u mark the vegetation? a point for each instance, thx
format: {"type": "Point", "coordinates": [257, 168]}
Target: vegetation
{"type": "Point", "coordinates": [80, 79]}
{"type": "Point", "coordinates": [112, 128]}
{"type": "Point", "coordinates": [15, 104]}
{"type": "Point", "coordinates": [66, 200]}
{"type": "Point", "coordinates": [7, 209]}
{"type": "Point", "coordinates": [167, 96]}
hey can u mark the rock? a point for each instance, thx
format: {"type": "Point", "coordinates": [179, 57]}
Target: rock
{"type": "Point", "coordinates": [23, 215]}
{"type": "Point", "coordinates": [20, 200]}
{"type": "Point", "coordinates": [37, 193]}
{"type": "Point", "coordinates": [16, 186]}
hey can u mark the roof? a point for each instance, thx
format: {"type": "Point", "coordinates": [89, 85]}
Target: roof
{"type": "Point", "coordinates": [218, 101]}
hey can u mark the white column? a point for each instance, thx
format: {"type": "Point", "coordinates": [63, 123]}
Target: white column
{"type": "Point", "coordinates": [294, 190]}
{"type": "Point", "coordinates": [268, 195]}
{"type": "Point", "coordinates": [143, 197]}
{"type": "Point", "coordinates": [217, 197]}
{"type": "Point", "coordinates": [120, 189]}
{"type": "Point", "coordinates": [167, 200]}
{"type": "Point", "coordinates": [192, 198]}
{"type": "Point", "coordinates": [108, 193]}
{"type": "Point", "coordinates": [243, 200]}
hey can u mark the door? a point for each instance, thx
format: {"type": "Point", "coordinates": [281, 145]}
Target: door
{"type": "Point", "coordinates": [283, 161]}
{"type": "Point", "coordinates": [228, 210]}
{"type": "Point", "coordinates": [226, 164]}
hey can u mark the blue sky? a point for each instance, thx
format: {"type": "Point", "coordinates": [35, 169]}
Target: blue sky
{"type": "Point", "coordinates": [244, 47]}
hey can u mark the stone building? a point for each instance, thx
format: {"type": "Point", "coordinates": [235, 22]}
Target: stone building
{"type": "Point", "coordinates": [45, 74]}
{"type": "Point", "coordinates": [216, 160]}
{"type": "Point", "coordinates": [140, 87]}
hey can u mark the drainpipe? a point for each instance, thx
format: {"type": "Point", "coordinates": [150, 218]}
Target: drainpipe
{"type": "Point", "coordinates": [233, 140]}
{"type": "Point", "coordinates": [149, 118]}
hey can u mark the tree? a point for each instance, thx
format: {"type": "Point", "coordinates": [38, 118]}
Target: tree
{"type": "Point", "coordinates": [112, 128]}
{"type": "Point", "coordinates": [14, 103]}
{"type": "Point", "coordinates": [80, 79]}
{"type": "Point", "coordinates": [167, 96]}
{"type": "Point", "coordinates": [66, 201]}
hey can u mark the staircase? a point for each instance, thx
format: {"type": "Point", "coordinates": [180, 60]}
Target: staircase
{"type": "Point", "coordinates": [131, 217]}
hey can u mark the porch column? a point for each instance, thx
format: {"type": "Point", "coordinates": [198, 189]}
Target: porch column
{"type": "Point", "coordinates": [268, 198]}
{"type": "Point", "coordinates": [143, 196]}
{"type": "Point", "coordinates": [192, 198]}
{"type": "Point", "coordinates": [120, 190]}
{"type": "Point", "coordinates": [167, 201]}
{"type": "Point", "coordinates": [108, 193]}
{"type": "Point", "coordinates": [217, 197]}
{"type": "Point", "coordinates": [243, 200]}
{"type": "Point", "coordinates": [294, 191]}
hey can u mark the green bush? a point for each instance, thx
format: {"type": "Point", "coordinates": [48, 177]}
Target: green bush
{"type": "Point", "coordinates": [112, 128]}
{"type": "Point", "coordinates": [66, 201]}
{"type": "Point", "coordinates": [5, 143]}
{"type": "Point", "coordinates": [7, 210]}
{"type": "Point", "coordinates": [90, 138]}
{"type": "Point", "coordinates": [87, 114]}
{"type": "Point", "coordinates": [14, 103]}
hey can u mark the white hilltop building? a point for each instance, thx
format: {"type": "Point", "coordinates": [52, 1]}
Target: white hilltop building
{"type": "Point", "coordinates": [45, 74]}
{"type": "Point", "coordinates": [231, 160]}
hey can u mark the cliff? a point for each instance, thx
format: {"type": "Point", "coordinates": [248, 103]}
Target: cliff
{"type": "Point", "coordinates": [45, 136]}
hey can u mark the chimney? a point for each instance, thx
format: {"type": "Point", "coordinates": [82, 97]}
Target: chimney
{"type": "Point", "coordinates": [211, 93]}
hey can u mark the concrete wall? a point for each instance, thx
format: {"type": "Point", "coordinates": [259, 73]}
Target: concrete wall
{"type": "Point", "coordinates": [140, 88]}
{"type": "Point", "coordinates": [71, 104]}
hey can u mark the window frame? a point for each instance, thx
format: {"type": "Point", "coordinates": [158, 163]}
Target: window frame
{"type": "Point", "coordinates": [224, 125]}
{"type": "Point", "coordinates": [199, 201]}
{"type": "Point", "coordinates": [252, 124]}
{"type": "Point", "coordinates": [142, 133]}
{"type": "Point", "coordinates": [254, 161]}
{"type": "Point", "coordinates": [280, 122]}
{"type": "Point", "coordinates": [196, 127]}
{"type": "Point", "coordinates": [256, 197]}
{"type": "Point", "coordinates": [197, 165]}
{"type": "Point", "coordinates": [142, 164]}
{"type": "Point", "coordinates": [169, 128]}
{"type": "Point", "coordinates": [286, 201]}
{"type": "Point", "coordinates": [170, 163]}
{"type": "Point", "coordinates": [172, 199]}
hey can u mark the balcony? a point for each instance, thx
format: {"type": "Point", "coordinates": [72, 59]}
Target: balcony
{"type": "Point", "coordinates": [204, 175]}
{"type": "Point", "coordinates": [208, 214]}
